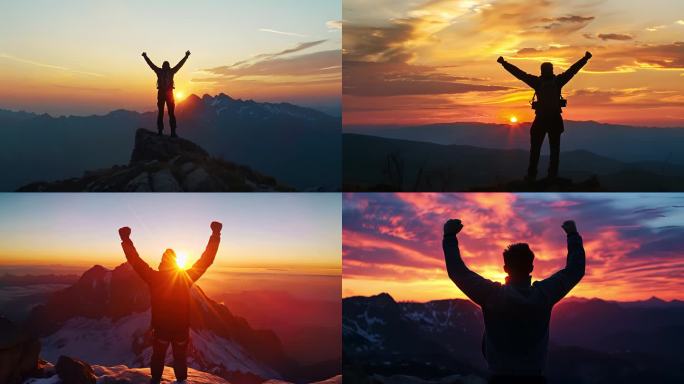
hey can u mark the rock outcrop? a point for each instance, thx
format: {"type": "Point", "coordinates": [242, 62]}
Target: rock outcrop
{"type": "Point", "coordinates": [74, 371]}
{"type": "Point", "coordinates": [18, 353]}
{"type": "Point", "coordinates": [165, 164]}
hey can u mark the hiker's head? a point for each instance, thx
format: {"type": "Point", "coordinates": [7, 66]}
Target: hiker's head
{"type": "Point", "coordinates": [547, 69]}
{"type": "Point", "coordinates": [166, 65]}
{"type": "Point", "coordinates": [518, 260]}
{"type": "Point", "coordinates": [168, 260]}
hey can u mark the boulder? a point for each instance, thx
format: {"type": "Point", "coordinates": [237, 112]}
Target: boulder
{"type": "Point", "coordinates": [18, 353]}
{"type": "Point", "coordinates": [74, 371]}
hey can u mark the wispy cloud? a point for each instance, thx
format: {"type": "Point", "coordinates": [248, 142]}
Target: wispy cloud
{"type": "Point", "coordinates": [334, 24]}
{"type": "Point", "coordinates": [46, 65]}
{"type": "Point", "coordinates": [282, 32]}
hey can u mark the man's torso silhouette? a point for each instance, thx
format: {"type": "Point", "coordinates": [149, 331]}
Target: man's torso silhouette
{"type": "Point", "coordinates": [516, 314]}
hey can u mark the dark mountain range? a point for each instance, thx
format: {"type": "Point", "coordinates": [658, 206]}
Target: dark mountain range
{"type": "Point", "coordinates": [297, 146]}
{"type": "Point", "coordinates": [165, 164]}
{"type": "Point", "coordinates": [103, 318]}
{"type": "Point", "coordinates": [592, 341]}
{"type": "Point", "coordinates": [376, 163]}
{"type": "Point", "coordinates": [624, 143]}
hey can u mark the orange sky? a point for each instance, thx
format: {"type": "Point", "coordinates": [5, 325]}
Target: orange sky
{"type": "Point", "coordinates": [434, 61]}
{"type": "Point", "coordinates": [392, 242]}
{"type": "Point", "coordinates": [291, 233]}
{"type": "Point", "coordinates": [84, 56]}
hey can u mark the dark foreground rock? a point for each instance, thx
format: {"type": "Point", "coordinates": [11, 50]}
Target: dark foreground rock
{"type": "Point", "coordinates": [18, 353]}
{"type": "Point", "coordinates": [75, 371]}
{"type": "Point", "coordinates": [165, 164]}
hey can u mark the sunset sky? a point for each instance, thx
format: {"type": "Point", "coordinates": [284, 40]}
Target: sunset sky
{"type": "Point", "coordinates": [428, 61]}
{"type": "Point", "coordinates": [296, 233]}
{"type": "Point", "coordinates": [84, 56]}
{"type": "Point", "coordinates": [392, 242]}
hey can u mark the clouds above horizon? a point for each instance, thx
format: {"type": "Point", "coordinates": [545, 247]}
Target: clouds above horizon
{"type": "Point", "coordinates": [394, 240]}
{"type": "Point", "coordinates": [432, 48]}
{"type": "Point", "coordinates": [294, 68]}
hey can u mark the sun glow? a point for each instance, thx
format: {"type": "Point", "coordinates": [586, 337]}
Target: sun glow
{"type": "Point", "coordinates": [178, 95]}
{"type": "Point", "coordinates": [182, 260]}
{"type": "Point", "coordinates": [513, 119]}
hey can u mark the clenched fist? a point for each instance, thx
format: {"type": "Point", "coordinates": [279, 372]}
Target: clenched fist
{"type": "Point", "coordinates": [452, 227]}
{"type": "Point", "coordinates": [216, 227]}
{"type": "Point", "coordinates": [124, 233]}
{"type": "Point", "coordinates": [569, 227]}
{"type": "Point", "coordinates": [500, 60]}
{"type": "Point", "coordinates": [588, 55]}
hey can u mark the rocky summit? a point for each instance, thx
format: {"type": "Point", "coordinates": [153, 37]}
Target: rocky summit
{"type": "Point", "coordinates": [165, 164]}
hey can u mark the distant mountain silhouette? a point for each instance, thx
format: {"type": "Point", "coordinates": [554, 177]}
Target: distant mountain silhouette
{"type": "Point", "coordinates": [628, 144]}
{"type": "Point", "coordinates": [298, 146]}
{"type": "Point", "coordinates": [381, 164]}
{"type": "Point", "coordinates": [592, 341]}
{"type": "Point", "coordinates": [103, 318]}
{"type": "Point", "coordinates": [165, 164]}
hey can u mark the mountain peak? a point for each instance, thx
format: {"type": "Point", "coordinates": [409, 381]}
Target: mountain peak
{"type": "Point", "coordinates": [150, 147]}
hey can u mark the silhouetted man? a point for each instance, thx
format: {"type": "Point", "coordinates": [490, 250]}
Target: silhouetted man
{"type": "Point", "coordinates": [170, 299]}
{"type": "Point", "coordinates": [548, 109]}
{"type": "Point", "coordinates": [516, 314]}
{"type": "Point", "coordinates": [165, 91]}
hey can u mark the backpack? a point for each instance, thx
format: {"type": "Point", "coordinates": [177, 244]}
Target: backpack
{"type": "Point", "coordinates": [547, 96]}
{"type": "Point", "coordinates": [165, 80]}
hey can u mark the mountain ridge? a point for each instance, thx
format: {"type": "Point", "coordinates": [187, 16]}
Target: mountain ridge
{"type": "Point", "coordinates": [296, 145]}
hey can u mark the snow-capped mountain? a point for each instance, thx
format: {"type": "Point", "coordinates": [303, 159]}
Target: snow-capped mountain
{"type": "Point", "coordinates": [104, 319]}
{"type": "Point", "coordinates": [591, 340]}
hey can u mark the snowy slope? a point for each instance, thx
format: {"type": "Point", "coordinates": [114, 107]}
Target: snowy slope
{"type": "Point", "coordinates": [108, 342]}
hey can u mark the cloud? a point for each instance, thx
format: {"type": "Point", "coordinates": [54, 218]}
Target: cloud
{"type": "Point", "coordinates": [275, 64]}
{"type": "Point", "coordinates": [387, 79]}
{"type": "Point", "coordinates": [615, 36]}
{"type": "Point", "coordinates": [656, 28]}
{"type": "Point", "coordinates": [628, 239]}
{"type": "Point", "coordinates": [281, 32]}
{"type": "Point", "coordinates": [323, 63]}
{"type": "Point", "coordinates": [621, 58]}
{"type": "Point", "coordinates": [334, 24]}
{"type": "Point", "coordinates": [680, 22]}
{"type": "Point", "coordinates": [48, 66]}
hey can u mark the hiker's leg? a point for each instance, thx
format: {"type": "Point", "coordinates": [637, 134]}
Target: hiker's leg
{"type": "Point", "coordinates": [160, 112]}
{"type": "Point", "coordinates": [536, 140]}
{"type": "Point", "coordinates": [159, 347]}
{"type": "Point", "coordinates": [554, 146]}
{"type": "Point", "coordinates": [171, 105]}
{"type": "Point", "coordinates": [180, 359]}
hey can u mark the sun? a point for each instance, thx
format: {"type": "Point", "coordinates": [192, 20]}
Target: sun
{"type": "Point", "coordinates": [178, 95]}
{"type": "Point", "coordinates": [513, 119]}
{"type": "Point", "coordinates": [182, 260]}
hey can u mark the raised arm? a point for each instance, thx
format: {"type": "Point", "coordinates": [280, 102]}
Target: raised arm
{"type": "Point", "coordinates": [209, 254]}
{"type": "Point", "coordinates": [561, 282]}
{"type": "Point", "coordinates": [566, 76]}
{"type": "Point", "coordinates": [518, 73]}
{"type": "Point", "coordinates": [476, 287]}
{"type": "Point", "coordinates": [180, 63]}
{"type": "Point", "coordinates": [150, 63]}
{"type": "Point", "coordinates": [139, 266]}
